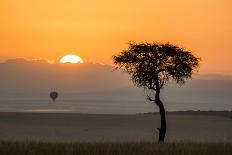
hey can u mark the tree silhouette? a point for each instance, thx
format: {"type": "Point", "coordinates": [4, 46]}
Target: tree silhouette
{"type": "Point", "coordinates": [153, 65]}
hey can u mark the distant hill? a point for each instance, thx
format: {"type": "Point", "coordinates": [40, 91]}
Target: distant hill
{"type": "Point", "coordinates": [35, 79]}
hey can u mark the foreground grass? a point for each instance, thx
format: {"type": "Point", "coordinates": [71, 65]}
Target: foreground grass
{"type": "Point", "coordinates": [127, 148]}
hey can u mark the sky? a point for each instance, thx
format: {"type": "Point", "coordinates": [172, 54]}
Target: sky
{"type": "Point", "coordinates": [95, 30]}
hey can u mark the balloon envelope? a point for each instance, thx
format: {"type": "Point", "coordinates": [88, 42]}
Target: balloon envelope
{"type": "Point", "coordinates": [53, 95]}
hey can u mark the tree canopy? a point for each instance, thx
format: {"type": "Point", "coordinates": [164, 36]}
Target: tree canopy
{"type": "Point", "coordinates": [152, 65]}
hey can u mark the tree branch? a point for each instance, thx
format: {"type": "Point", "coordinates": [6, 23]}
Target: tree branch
{"type": "Point", "coordinates": [149, 98]}
{"type": "Point", "coordinates": [161, 84]}
{"type": "Point", "coordinates": [152, 88]}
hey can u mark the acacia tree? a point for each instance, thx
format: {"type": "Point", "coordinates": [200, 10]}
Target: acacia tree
{"type": "Point", "coordinates": [153, 65]}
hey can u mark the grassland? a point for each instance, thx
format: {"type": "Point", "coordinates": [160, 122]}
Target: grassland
{"type": "Point", "coordinates": [113, 148]}
{"type": "Point", "coordinates": [115, 128]}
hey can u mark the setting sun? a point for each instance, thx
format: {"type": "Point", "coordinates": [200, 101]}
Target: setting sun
{"type": "Point", "coordinates": [71, 59]}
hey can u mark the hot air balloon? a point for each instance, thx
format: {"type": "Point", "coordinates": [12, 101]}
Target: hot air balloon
{"type": "Point", "coordinates": [53, 95]}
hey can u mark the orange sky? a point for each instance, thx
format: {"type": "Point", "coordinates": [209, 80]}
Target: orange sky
{"type": "Point", "coordinates": [97, 29]}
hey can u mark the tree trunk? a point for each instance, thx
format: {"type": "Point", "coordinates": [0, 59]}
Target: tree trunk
{"type": "Point", "coordinates": [163, 127]}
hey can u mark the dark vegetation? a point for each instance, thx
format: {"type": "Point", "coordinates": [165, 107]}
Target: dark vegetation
{"type": "Point", "coordinates": [130, 148]}
{"type": "Point", "coordinates": [154, 65]}
{"type": "Point", "coordinates": [227, 114]}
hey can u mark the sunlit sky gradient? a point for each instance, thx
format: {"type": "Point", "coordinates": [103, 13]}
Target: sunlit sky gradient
{"type": "Point", "coordinates": [95, 30]}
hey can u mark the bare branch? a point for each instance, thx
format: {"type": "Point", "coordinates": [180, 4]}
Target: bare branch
{"type": "Point", "coordinates": [149, 98]}
{"type": "Point", "coordinates": [152, 88]}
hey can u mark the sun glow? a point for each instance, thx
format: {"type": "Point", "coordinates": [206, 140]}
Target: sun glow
{"type": "Point", "coordinates": [71, 59]}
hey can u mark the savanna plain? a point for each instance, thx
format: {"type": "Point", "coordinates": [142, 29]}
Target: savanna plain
{"type": "Point", "coordinates": [56, 133]}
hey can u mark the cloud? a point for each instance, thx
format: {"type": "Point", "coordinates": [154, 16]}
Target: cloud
{"type": "Point", "coordinates": [39, 75]}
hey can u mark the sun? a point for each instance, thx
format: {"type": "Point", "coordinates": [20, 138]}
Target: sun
{"type": "Point", "coordinates": [71, 58]}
